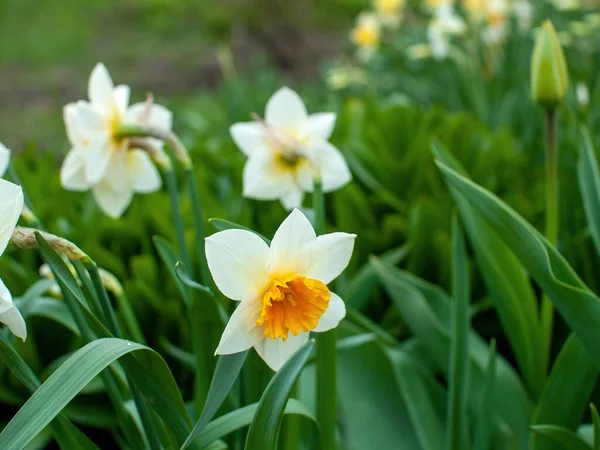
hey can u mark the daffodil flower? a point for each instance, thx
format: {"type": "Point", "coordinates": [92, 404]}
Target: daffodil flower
{"type": "Point", "coordinates": [4, 159]}
{"type": "Point", "coordinates": [444, 24]}
{"type": "Point", "coordinates": [496, 20]}
{"type": "Point", "coordinates": [366, 35]}
{"type": "Point", "coordinates": [100, 161]}
{"type": "Point", "coordinates": [282, 289]}
{"type": "Point", "coordinates": [287, 150]}
{"type": "Point", "coordinates": [11, 205]}
{"type": "Point", "coordinates": [389, 11]}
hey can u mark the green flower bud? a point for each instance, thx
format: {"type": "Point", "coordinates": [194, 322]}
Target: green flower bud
{"type": "Point", "coordinates": [549, 76]}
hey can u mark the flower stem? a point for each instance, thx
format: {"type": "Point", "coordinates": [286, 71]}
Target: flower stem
{"type": "Point", "coordinates": [172, 190]}
{"type": "Point", "coordinates": [198, 226]}
{"type": "Point", "coordinates": [547, 309]}
{"type": "Point", "coordinates": [326, 352]}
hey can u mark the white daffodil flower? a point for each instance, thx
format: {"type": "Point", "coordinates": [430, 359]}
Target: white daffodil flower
{"type": "Point", "coordinates": [583, 95]}
{"type": "Point", "coordinates": [97, 160]}
{"type": "Point", "coordinates": [287, 150]}
{"type": "Point", "coordinates": [496, 22]}
{"type": "Point", "coordinates": [4, 159]}
{"type": "Point", "coordinates": [11, 205]}
{"type": "Point", "coordinates": [282, 289]}
{"type": "Point", "coordinates": [444, 24]}
{"type": "Point", "coordinates": [366, 34]}
{"type": "Point", "coordinates": [524, 11]}
{"type": "Point", "coordinates": [389, 11]}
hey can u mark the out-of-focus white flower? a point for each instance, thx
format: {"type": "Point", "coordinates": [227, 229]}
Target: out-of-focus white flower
{"type": "Point", "coordinates": [523, 10]}
{"type": "Point", "coordinates": [389, 11]}
{"type": "Point", "coordinates": [11, 204]}
{"type": "Point", "coordinates": [496, 22]}
{"type": "Point", "coordinates": [434, 4]}
{"type": "Point", "coordinates": [475, 8]}
{"type": "Point", "coordinates": [98, 159]}
{"type": "Point", "coordinates": [282, 289]}
{"type": "Point", "coordinates": [445, 24]}
{"type": "Point", "coordinates": [346, 76]}
{"type": "Point", "coordinates": [287, 150]}
{"type": "Point", "coordinates": [4, 159]}
{"type": "Point", "coordinates": [583, 95]}
{"type": "Point", "coordinates": [366, 34]}
{"type": "Point", "coordinates": [567, 4]}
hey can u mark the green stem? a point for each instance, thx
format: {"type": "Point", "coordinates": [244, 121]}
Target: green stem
{"type": "Point", "coordinates": [133, 326]}
{"type": "Point", "coordinates": [326, 352]}
{"type": "Point", "coordinates": [172, 190]}
{"type": "Point", "coordinates": [113, 326]}
{"type": "Point", "coordinates": [547, 309]}
{"type": "Point", "coordinates": [198, 226]}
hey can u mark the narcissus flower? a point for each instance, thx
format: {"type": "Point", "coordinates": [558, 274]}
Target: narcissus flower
{"type": "Point", "coordinates": [287, 150]}
{"type": "Point", "coordinates": [445, 24]}
{"type": "Point", "coordinates": [282, 289]}
{"type": "Point", "coordinates": [389, 11]}
{"type": "Point", "coordinates": [11, 205]}
{"type": "Point", "coordinates": [101, 161]}
{"type": "Point", "coordinates": [366, 34]}
{"type": "Point", "coordinates": [4, 159]}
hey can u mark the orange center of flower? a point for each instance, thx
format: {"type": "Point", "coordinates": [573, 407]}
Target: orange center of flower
{"type": "Point", "coordinates": [292, 304]}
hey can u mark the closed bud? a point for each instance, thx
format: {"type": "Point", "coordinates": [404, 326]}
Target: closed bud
{"type": "Point", "coordinates": [549, 75]}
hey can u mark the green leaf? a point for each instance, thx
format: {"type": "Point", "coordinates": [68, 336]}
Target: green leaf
{"type": "Point", "coordinates": [596, 424]}
{"type": "Point", "coordinates": [415, 387]}
{"type": "Point", "coordinates": [567, 390]}
{"type": "Point", "coordinates": [264, 429]}
{"type": "Point", "coordinates": [242, 417]}
{"type": "Point", "coordinates": [589, 185]}
{"type": "Point", "coordinates": [226, 372]}
{"type": "Point", "coordinates": [222, 225]}
{"type": "Point", "coordinates": [485, 418]}
{"type": "Point", "coordinates": [58, 390]}
{"type": "Point", "coordinates": [507, 283]}
{"type": "Point", "coordinates": [170, 258]}
{"type": "Point", "coordinates": [566, 438]}
{"type": "Point", "coordinates": [365, 281]}
{"type": "Point", "coordinates": [458, 379]}
{"type": "Point", "coordinates": [66, 434]}
{"type": "Point", "coordinates": [427, 311]}
{"type": "Point", "coordinates": [49, 308]}
{"type": "Point", "coordinates": [160, 390]}
{"type": "Point", "coordinates": [576, 303]}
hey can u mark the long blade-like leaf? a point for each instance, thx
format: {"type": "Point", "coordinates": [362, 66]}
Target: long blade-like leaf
{"type": "Point", "coordinates": [264, 429]}
{"type": "Point", "coordinates": [226, 372]}
{"type": "Point", "coordinates": [566, 439]}
{"type": "Point", "coordinates": [457, 432]}
{"type": "Point", "coordinates": [589, 185]}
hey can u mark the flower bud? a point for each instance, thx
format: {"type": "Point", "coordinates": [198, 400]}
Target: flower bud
{"type": "Point", "coordinates": [549, 76]}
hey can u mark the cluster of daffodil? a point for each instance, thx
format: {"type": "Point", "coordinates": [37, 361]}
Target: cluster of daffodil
{"type": "Point", "coordinates": [282, 288]}
{"type": "Point", "coordinates": [487, 21]}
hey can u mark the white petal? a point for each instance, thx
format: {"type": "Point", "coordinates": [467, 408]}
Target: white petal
{"type": "Point", "coordinates": [6, 301]}
{"type": "Point", "coordinates": [286, 109]}
{"type": "Point", "coordinates": [333, 315]}
{"type": "Point", "coordinates": [121, 97]}
{"type": "Point", "coordinates": [112, 202]}
{"type": "Point", "coordinates": [305, 177]}
{"type": "Point", "coordinates": [71, 119]}
{"type": "Point", "coordinates": [72, 171]}
{"type": "Point", "coordinates": [90, 121]}
{"type": "Point", "coordinates": [241, 331]}
{"type": "Point", "coordinates": [116, 174]}
{"type": "Point", "coordinates": [294, 245]}
{"type": "Point", "coordinates": [237, 260]}
{"type": "Point", "coordinates": [158, 116]}
{"type": "Point", "coordinates": [292, 198]}
{"type": "Point", "coordinates": [334, 169]}
{"type": "Point", "coordinates": [275, 352]}
{"type": "Point", "coordinates": [141, 172]}
{"type": "Point", "coordinates": [100, 89]}
{"type": "Point", "coordinates": [4, 159]}
{"type": "Point", "coordinates": [320, 126]}
{"type": "Point", "coordinates": [10, 315]}
{"type": "Point", "coordinates": [264, 180]}
{"type": "Point", "coordinates": [11, 205]}
{"type": "Point", "coordinates": [250, 138]}
{"type": "Point", "coordinates": [97, 158]}
{"type": "Point", "coordinates": [334, 251]}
